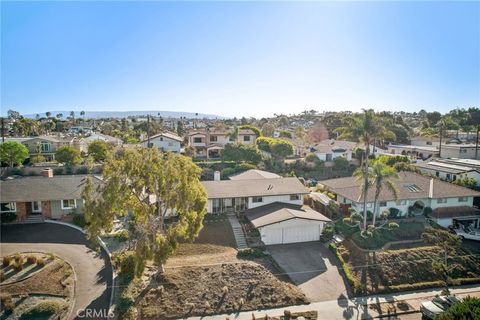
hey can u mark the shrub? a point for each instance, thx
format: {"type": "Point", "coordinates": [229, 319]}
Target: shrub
{"type": "Point", "coordinates": [354, 283]}
{"type": "Point", "coordinates": [250, 253]}
{"type": "Point", "coordinates": [82, 170]}
{"type": "Point", "coordinates": [2, 276]}
{"type": "Point", "coordinates": [393, 225]}
{"type": "Point", "coordinates": [17, 266]}
{"type": "Point", "coordinates": [469, 308]}
{"type": "Point", "coordinates": [58, 171]}
{"type": "Point", "coordinates": [327, 233]}
{"type": "Point", "coordinates": [18, 258]}
{"type": "Point", "coordinates": [7, 217]}
{"type": "Point", "coordinates": [79, 220]}
{"type": "Point", "coordinates": [31, 259]}
{"type": "Point", "coordinates": [5, 297]}
{"type": "Point", "coordinates": [6, 261]}
{"type": "Point", "coordinates": [394, 213]}
{"type": "Point", "coordinates": [40, 262]}
{"type": "Point", "coordinates": [122, 235]}
{"type": "Point", "coordinates": [43, 309]}
{"type": "Point", "coordinates": [126, 302]}
{"type": "Point", "coordinates": [427, 211]}
{"type": "Point", "coordinates": [333, 247]}
{"type": "Point", "coordinates": [9, 306]}
{"type": "Point", "coordinates": [127, 264]}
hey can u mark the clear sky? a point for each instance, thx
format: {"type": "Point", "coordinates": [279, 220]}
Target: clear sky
{"type": "Point", "coordinates": [239, 58]}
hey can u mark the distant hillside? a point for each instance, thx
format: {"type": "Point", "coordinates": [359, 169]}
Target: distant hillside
{"type": "Point", "coordinates": [125, 114]}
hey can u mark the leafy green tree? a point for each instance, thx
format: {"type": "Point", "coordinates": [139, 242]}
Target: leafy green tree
{"type": "Point", "coordinates": [13, 153]}
{"type": "Point", "coordinates": [340, 164]}
{"type": "Point", "coordinates": [466, 182]}
{"type": "Point", "coordinates": [268, 129]}
{"type": "Point", "coordinates": [366, 128]}
{"type": "Point", "coordinates": [180, 128]}
{"type": "Point", "coordinates": [264, 143]}
{"type": "Point", "coordinates": [240, 152]}
{"type": "Point", "coordinates": [68, 156]}
{"type": "Point", "coordinates": [98, 150]}
{"type": "Point", "coordinates": [150, 185]}
{"type": "Point", "coordinates": [281, 149]}
{"type": "Point", "coordinates": [469, 308]}
{"type": "Point", "coordinates": [253, 128]}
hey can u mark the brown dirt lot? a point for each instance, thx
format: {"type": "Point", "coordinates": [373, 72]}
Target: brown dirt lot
{"type": "Point", "coordinates": [217, 230]}
{"type": "Point", "coordinates": [379, 271]}
{"type": "Point", "coordinates": [248, 281]}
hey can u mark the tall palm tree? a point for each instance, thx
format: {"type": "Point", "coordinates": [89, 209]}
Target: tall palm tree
{"type": "Point", "coordinates": [382, 176]}
{"type": "Point", "coordinates": [365, 128]}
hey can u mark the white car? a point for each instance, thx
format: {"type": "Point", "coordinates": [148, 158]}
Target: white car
{"type": "Point", "coordinates": [438, 305]}
{"type": "Point", "coordinates": [470, 235]}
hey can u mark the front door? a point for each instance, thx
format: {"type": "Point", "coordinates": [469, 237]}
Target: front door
{"type": "Point", "coordinates": [36, 207]}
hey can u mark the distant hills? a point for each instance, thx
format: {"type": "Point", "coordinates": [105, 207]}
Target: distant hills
{"type": "Point", "coordinates": [125, 114]}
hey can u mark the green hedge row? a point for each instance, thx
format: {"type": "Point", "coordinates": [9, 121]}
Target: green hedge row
{"type": "Point", "coordinates": [354, 283]}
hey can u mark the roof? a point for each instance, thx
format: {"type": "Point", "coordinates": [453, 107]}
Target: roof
{"type": "Point", "coordinates": [458, 146]}
{"type": "Point", "coordinates": [331, 145]}
{"type": "Point", "coordinates": [254, 174]}
{"type": "Point", "coordinates": [444, 167]}
{"type": "Point", "coordinates": [39, 188]}
{"type": "Point", "coordinates": [103, 137]}
{"type": "Point", "coordinates": [320, 197]}
{"type": "Point", "coordinates": [410, 186]}
{"type": "Point", "coordinates": [253, 188]}
{"type": "Point", "coordinates": [277, 212]}
{"type": "Point", "coordinates": [413, 148]}
{"type": "Point", "coordinates": [453, 212]}
{"type": "Point", "coordinates": [168, 135]}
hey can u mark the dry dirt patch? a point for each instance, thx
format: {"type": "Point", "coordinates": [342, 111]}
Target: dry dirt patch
{"type": "Point", "coordinates": [201, 291]}
{"type": "Point", "coordinates": [195, 254]}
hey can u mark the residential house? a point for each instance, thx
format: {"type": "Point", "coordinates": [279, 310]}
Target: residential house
{"type": "Point", "coordinates": [425, 141]}
{"type": "Point", "coordinates": [415, 192]}
{"type": "Point", "coordinates": [254, 174]}
{"type": "Point", "coordinates": [451, 169]}
{"type": "Point", "coordinates": [46, 196]}
{"type": "Point", "coordinates": [164, 141]}
{"type": "Point", "coordinates": [116, 142]}
{"type": "Point", "coordinates": [413, 151]}
{"type": "Point", "coordinates": [330, 149]}
{"type": "Point", "coordinates": [460, 151]}
{"type": "Point", "coordinates": [209, 143]}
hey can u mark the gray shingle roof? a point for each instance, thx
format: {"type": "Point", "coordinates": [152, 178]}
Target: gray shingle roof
{"type": "Point", "coordinates": [254, 174]}
{"type": "Point", "coordinates": [350, 189]}
{"type": "Point", "coordinates": [253, 188]}
{"type": "Point", "coordinates": [26, 189]}
{"type": "Point", "coordinates": [277, 212]}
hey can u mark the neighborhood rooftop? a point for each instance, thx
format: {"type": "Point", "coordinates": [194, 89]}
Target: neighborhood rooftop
{"type": "Point", "coordinates": [410, 186]}
{"type": "Point", "coordinates": [249, 188]}
{"type": "Point", "coordinates": [254, 174]}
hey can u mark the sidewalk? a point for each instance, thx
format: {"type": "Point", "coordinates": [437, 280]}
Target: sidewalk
{"type": "Point", "coordinates": [357, 308]}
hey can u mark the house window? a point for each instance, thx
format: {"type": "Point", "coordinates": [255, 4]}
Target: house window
{"type": "Point", "coordinates": [150, 145]}
{"type": "Point", "coordinates": [429, 143]}
{"type": "Point", "coordinates": [257, 199]}
{"type": "Point", "coordinates": [448, 176]}
{"type": "Point", "coordinates": [463, 150]}
{"type": "Point", "coordinates": [462, 199]}
{"type": "Point", "coordinates": [69, 204]}
{"type": "Point", "coordinates": [294, 197]}
{"type": "Point", "coordinates": [213, 138]}
{"type": "Point", "coordinates": [437, 174]}
{"type": "Point", "coordinates": [170, 144]}
{"type": "Point", "coordinates": [197, 140]}
{"type": "Point", "coordinates": [246, 138]}
{"type": "Point", "coordinates": [383, 203]}
{"type": "Point", "coordinates": [161, 138]}
{"type": "Point", "coordinates": [444, 200]}
{"type": "Point", "coordinates": [45, 146]}
{"type": "Point", "coordinates": [36, 206]}
{"type": "Point", "coordinates": [8, 207]}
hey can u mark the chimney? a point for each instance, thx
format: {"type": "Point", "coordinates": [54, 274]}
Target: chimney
{"type": "Point", "coordinates": [430, 190]}
{"type": "Point", "coordinates": [47, 173]}
{"type": "Point", "coordinates": [216, 176]}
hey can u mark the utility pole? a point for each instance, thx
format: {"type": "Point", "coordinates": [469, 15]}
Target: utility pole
{"type": "Point", "coordinates": [440, 148]}
{"type": "Point", "coordinates": [148, 131]}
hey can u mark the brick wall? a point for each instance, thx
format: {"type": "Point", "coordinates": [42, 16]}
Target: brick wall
{"type": "Point", "coordinates": [46, 209]}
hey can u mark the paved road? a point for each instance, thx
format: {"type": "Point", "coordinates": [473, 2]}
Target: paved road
{"type": "Point", "coordinates": [313, 268]}
{"type": "Point", "coordinates": [93, 270]}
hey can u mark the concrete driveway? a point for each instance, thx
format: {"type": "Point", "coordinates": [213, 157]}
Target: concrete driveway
{"type": "Point", "coordinates": [93, 270]}
{"type": "Point", "coordinates": [313, 268]}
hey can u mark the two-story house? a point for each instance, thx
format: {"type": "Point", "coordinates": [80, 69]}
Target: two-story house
{"type": "Point", "coordinates": [209, 143]}
{"type": "Point", "coordinates": [164, 141]}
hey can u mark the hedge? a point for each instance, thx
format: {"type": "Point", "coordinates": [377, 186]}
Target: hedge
{"type": "Point", "coordinates": [354, 283]}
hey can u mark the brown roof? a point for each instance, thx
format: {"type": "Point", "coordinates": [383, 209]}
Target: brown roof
{"type": "Point", "coordinates": [453, 212]}
{"type": "Point", "coordinates": [410, 186]}
{"type": "Point", "coordinates": [254, 174]}
{"type": "Point", "coordinates": [277, 212]}
{"type": "Point", "coordinates": [169, 135]}
{"type": "Point", "coordinates": [253, 188]}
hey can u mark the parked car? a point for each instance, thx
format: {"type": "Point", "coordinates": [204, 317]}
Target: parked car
{"type": "Point", "coordinates": [438, 305]}
{"type": "Point", "coordinates": [470, 235]}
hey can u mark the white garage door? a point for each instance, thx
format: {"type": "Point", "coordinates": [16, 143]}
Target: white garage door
{"type": "Point", "coordinates": [291, 234]}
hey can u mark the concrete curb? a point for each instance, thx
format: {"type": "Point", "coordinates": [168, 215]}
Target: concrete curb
{"type": "Point", "coordinates": [107, 251]}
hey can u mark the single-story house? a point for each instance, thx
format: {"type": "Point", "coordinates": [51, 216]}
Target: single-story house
{"type": "Point", "coordinates": [243, 194]}
{"type": "Point", "coordinates": [415, 191]}
{"type": "Point", "coordinates": [254, 174]}
{"type": "Point", "coordinates": [449, 170]}
{"type": "Point", "coordinates": [455, 216]}
{"type": "Point", "coordinates": [461, 151]}
{"type": "Point", "coordinates": [165, 141]}
{"type": "Point", "coordinates": [48, 196]}
{"type": "Point", "coordinates": [280, 223]}
{"type": "Point", "coordinates": [422, 152]}
{"type": "Point", "coordinates": [117, 142]}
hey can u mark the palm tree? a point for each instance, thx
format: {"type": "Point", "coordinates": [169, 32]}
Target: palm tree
{"type": "Point", "coordinates": [365, 128]}
{"type": "Point", "coordinates": [381, 176]}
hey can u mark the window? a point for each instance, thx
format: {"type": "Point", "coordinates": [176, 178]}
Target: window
{"type": "Point", "coordinates": [150, 145]}
{"type": "Point", "coordinates": [294, 197]}
{"type": "Point", "coordinates": [161, 138]}
{"type": "Point", "coordinates": [257, 199]}
{"type": "Point", "coordinates": [383, 203]}
{"type": "Point", "coordinates": [429, 143]}
{"type": "Point", "coordinates": [246, 138]}
{"type": "Point", "coordinates": [69, 204]}
{"type": "Point", "coordinates": [8, 207]}
{"type": "Point", "coordinates": [197, 140]}
{"type": "Point", "coordinates": [442, 200]}
{"type": "Point", "coordinates": [213, 138]}
{"type": "Point", "coordinates": [463, 150]}
{"type": "Point", "coordinates": [437, 174]}
{"type": "Point", "coordinates": [44, 146]}
{"type": "Point", "coordinates": [36, 206]}
{"type": "Point", "coordinates": [170, 144]}
{"type": "Point", "coordinates": [462, 199]}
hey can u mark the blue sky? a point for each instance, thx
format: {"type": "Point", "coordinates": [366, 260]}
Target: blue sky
{"type": "Point", "coordinates": [239, 58]}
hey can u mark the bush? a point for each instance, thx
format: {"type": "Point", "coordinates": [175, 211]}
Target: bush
{"type": "Point", "coordinates": [393, 225]}
{"type": "Point", "coordinates": [469, 308]}
{"type": "Point", "coordinates": [82, 170]}
{"type": "Point", "coordinates": [7, 217]}
{"type": "Point", "coordinates": [427, 211]}
{"type": "Point", "coordinates": [40, 262]}
{"type": "Point", "coordinates": [42, 310]}
{"type": "Point", "coordinates": [58, 171]}
{"type": "Point", "coordinates": [6, 261]}
{"type": "Point", "coordinates": [79, 220]}
{"type": "Point", "coordinates": [126, 302]}
{"type": "Point", "coordinates": [9, 306]}
{"type": "Point", "coordinates": [31, 259]}
{"type": "Point", "coordinates": [122, 235]}
{"type": "Point", "coordinates": [18, 266]}
{"type": "Point", "coordinates": [126, 262]}
{"type": "Point", "coordinates": [2, 276]}
{"type": "Point", "coordinates": [18, 258]}
{"type": "Point", "coordinates": [250, 253]}
{"type": "Point", "coordinates": [394, 213]}
{"type": "Point", "coordinates": [327, 233]}
{"type": "Point", "coordinates": [333, 247]}
{"type": "Point", "coordinates": [354, 283]}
